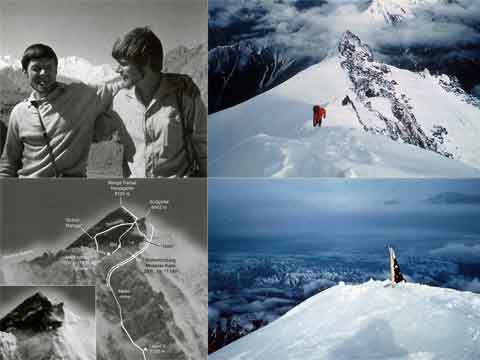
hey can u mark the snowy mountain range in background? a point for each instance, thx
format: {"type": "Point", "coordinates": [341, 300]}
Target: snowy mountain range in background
{"type": "Point", "coordinates": [363, 97]}
{"type": "Point", "coordinates": [72, 68]}
{"type": "Point", "coordinates": [14, 86]}
{"type": "Point", "coordinates": [242, 70]}
{"type": "Point", "coordinates": [395, 11]}
{"type": "Point", "coordinates": [370, 320]}
{"type": "Point", "coordinates": [251, 42]}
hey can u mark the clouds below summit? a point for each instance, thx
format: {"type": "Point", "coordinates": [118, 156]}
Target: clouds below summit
{"type": "Point", "coordinates": [311, 28]}
{"type": "Point", "coordinates": [468, 254]}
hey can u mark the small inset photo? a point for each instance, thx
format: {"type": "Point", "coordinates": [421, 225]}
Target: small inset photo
{"type": "Point", "coordinates": [47, 322]}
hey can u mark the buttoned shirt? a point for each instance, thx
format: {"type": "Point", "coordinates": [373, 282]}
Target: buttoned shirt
{"type": "Point", "coordinates": [68, 114]}
{"type": "Point", "coordinates": [153, 136]}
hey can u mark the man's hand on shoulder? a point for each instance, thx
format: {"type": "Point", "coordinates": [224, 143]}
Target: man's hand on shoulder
{"type": "Point", "coordinates": [116, 85]}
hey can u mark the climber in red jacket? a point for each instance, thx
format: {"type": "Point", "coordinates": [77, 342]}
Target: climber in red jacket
{"type": "Point", "coordinates": [319, 113]}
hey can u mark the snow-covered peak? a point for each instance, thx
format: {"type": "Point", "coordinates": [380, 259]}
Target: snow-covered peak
{"type": "Point", "coordinates": [369, 321]}
{"type": "Point", "coordinates": [8, 60]}
{"type": "Point", "coordinates": [394, 11]}
{"type": "Point", "coordinates": [71, 67]}
{"type": "Point", "coordinates": [3, 63]}
{"type": "Point", "coordinates": [430, 112]}
{"type": "Point", "coordinates": [77, 68]}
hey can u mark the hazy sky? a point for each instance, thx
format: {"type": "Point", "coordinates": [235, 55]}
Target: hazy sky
{"type": "Point", "coordinates": [34, 211]}
{"type": "Point", "coordinates": [289, 212]}
{"type": "Point", "coordinates": [88, 28]}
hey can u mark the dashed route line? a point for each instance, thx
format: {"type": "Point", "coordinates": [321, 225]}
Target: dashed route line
{"type": "Point", "coordinates": [124, 262]}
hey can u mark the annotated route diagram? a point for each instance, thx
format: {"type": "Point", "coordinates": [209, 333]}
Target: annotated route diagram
{"type": "Point", "coordinates": [148, 240]}
{"type": "Point", "coordinates": [144, 250]}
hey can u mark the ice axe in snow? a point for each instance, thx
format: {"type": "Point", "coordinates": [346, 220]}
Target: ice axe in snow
{"type": "Point", "coordinates": [395, 273]}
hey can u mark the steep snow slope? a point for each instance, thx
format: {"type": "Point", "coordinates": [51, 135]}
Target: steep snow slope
{"type": "Point", "coordinates": [370, 321]}
{"type": "Point", "coordinates": [419, 109]}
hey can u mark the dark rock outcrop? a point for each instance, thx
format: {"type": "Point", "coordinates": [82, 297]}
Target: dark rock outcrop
{"type": "Point", "coordinates": [369, 80]}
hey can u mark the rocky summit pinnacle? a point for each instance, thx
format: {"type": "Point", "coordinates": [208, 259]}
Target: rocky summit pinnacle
{"type": "Point", "coordinates": [373, 80]}
{"type": "Point", "coordinates": [35, 314]}
{"type": "Point", "coordinates": [351, 46]}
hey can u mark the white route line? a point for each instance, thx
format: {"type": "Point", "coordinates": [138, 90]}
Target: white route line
{"type": "Point", "coordinates": [113, 227]}
{"type": "Point", "coordinates": [133, 215]}
{"type": "Point", "coordinates": [126, 261]}
{"type": "Point", "coordinates": [109, 276]}
{"type": "Point", "coordinates": [120, 238]}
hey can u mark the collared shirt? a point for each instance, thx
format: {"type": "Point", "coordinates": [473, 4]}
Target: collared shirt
{"type": "Point", "coordinates": [69, 114]}
{"type": "Point", "coordinates": [153, 136]}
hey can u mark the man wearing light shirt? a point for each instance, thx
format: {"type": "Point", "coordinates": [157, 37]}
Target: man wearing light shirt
{"type": "Point", "coordinates": [162, 117]}
{"type": "Point", "coordinates": [50, 133]}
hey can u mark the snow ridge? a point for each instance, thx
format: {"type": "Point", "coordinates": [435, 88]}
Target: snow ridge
{"type": "Point", "coordinates": [370, 321]}
{"type": "Point", "coordinates": [272, 134]}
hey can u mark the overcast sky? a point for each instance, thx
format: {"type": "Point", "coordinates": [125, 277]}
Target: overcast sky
{"type": "Point", "coordinates": [88, 28]}
{"type": "Point", "coordinates": [424, 214]}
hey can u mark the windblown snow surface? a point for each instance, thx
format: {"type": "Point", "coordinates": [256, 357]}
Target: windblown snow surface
{"type": "Point", "coordinates": [398, 124]}
{"type": "Point", "coordinates": [369, 321]}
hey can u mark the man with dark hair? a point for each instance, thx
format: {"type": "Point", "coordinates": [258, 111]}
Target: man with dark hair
{"type": "Point", "coordinates": [162, 117]}
{"type": "Point", "coordinates": [38, 51]}
{"type": "Point", "coordinates": [50, 133]}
